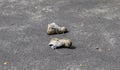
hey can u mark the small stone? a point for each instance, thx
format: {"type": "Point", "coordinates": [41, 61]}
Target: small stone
{"type": "Point", "coordinates": [5, 62]}
{"type": "Point", "coordinates": [99, 49]}
{"type": "Point", "coordinates": [81, 65]}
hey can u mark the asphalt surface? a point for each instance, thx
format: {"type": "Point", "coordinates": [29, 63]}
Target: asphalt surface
{"type": "Point", "coordinates": [94, 27]}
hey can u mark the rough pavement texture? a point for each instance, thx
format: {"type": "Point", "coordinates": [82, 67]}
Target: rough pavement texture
{"type": "Point", "coordinates": [94, 29]}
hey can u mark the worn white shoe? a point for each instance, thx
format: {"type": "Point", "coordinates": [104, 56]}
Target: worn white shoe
{"type": "Point", "coordinates": [53, 28]}
{"type": "Point", "coordinates": [56, 43]}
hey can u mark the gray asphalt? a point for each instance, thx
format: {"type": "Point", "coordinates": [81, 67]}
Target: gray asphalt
{"type": "Point", "coordinates": [94, 28]}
